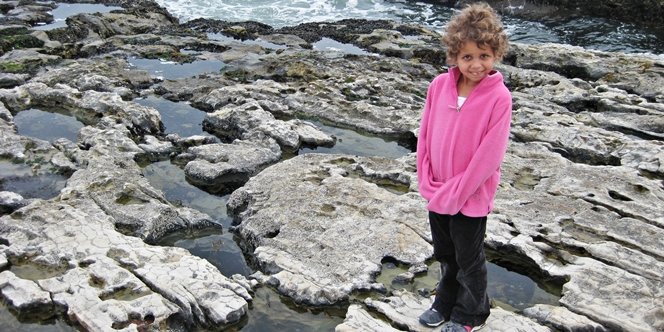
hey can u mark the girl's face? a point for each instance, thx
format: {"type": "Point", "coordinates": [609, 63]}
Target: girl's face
{"type": "Point", "coordinates": [475, 63]}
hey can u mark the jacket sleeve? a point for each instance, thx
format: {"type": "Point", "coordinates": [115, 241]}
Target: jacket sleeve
{"type": "Point", "coordinates": [451, 196]}
{"type": "Point", "coordinates": [426, 185]}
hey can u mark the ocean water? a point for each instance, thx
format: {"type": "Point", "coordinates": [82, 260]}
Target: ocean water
{"type": "Point", "coordinates": [594, 33]}
{"type": "Point", "coordinates": [279, 13]}
{"type": "Point", "coordinates": [65, 10]}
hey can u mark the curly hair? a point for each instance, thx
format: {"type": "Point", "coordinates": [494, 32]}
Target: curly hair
{"type": "Point", "coordinates": [479, 23]}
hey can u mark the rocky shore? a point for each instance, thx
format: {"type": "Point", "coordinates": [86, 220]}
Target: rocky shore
{"type": "Point", "coordinates": [580, 206]}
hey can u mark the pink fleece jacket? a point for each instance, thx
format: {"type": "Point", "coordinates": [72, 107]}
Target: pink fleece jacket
{"type": "Point", "coordinates": [459, 152]}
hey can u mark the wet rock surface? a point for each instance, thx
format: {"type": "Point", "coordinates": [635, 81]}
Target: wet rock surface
{"type": "Point", "coordinates": [321, 225]}
{"type": "Point", "coordinates": [404, 307]}
{"type": "Point", "coordinates": [579, 206]}
{"type": "Point", "coordinates": [106, 280]}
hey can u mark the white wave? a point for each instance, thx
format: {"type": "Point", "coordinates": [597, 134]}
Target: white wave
{"type": "Point", "coordinates": [279, 13]}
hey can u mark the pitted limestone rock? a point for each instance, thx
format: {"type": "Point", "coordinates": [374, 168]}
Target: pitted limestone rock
{"type": "Point", "coordinates": [29, 60]}
{"type": "Point", "coordinates": [239, 94]}
{"type": "Point", "coordinates": [360, 320]}
{"type": "Point", "coordinates": [537, 119]}
{"type": "Point", "coordinates": [10, 201]}
{"type": "Point", "coordinates": [614, 288]}
{"type": "Point", "coordinates": [115, 281]}
{"type": "Point", "coordinates": [9, 80]}
{"type": "Point", "coordinates": [136, 207]}
{"type": "Point", "coordinates": [36, 152]}
{"type": "Point", "coordinates": [605, 212]}
{"type": "Point", "coordinates": [23, 295]}
{"type": "Point", "coordinates": [238, 121]}
{"type": "Point", "coordinates": [222, 167]}
{"type": "Point", "coordinates": [638, 73]}
{"type": "Point", "coordinates": [390, 42]}
{"type": "Point", "coordinates": [321, 227]}
{"type": "Point", "coordinates": [102, 75]}
{"type": "Point", "coordinates": [3, 259]}
{"type": "Point", "coordinates": [562, 318]}
{"type": "Point", "coordinates": [403, 308]}
{"type": "Point", "coordinates": [156, 147]}
{"type": "Point", "coordinates": [88, 106]}
{"type": "Point", "coordinates": [112, 141]}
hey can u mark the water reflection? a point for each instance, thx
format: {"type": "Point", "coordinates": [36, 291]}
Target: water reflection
{"type": "Point", "coordinates": [275, 313]}
{"type": "Point", "coordinates": [170, 179]}
{"type": "Point", "coordinates": [22, 179]}
{"type": "Point", "coordinates": [178, 117]}
{"type": "Point", "coordinates": [65, 10]}
{"type": "Point", "coordinates": [46, 125]}
{"type": "Point", "coordinates": [353, 143]}
{"type": "Point", "coordinates": [174, 70]}
{"type": "Point", "coordinates": [271, 312]}
{"type": "Point", "coordinates": [215, 246]}
{"type": "Point", "coordinates": [516, 291]}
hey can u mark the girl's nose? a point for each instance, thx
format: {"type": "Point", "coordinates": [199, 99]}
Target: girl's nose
{"type": "Point", "coordinates": [475, 64]}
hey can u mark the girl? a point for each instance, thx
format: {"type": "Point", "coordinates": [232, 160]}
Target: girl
{"type": "Point", "coordinates": [462, 141]}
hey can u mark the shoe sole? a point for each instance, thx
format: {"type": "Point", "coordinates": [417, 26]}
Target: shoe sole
{"type": "Point", "coordinates": [432, 324]}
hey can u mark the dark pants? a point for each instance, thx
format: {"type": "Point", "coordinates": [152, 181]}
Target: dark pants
{"type": "Point", "coordinates": [458, 244]}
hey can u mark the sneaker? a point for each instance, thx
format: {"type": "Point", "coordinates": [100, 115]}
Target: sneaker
{"type": "Point", "coordinates": [456, 327]}
{"type": "Point", "coordinates": [432, 318]}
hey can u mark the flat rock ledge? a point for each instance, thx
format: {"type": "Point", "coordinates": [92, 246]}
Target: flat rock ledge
{"type": "Point", "coordinates": [105, 280]}
{"type": "Point", "coordinates": [320, 225]}
{"type": "Point", "coordinates": [403, 308]}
